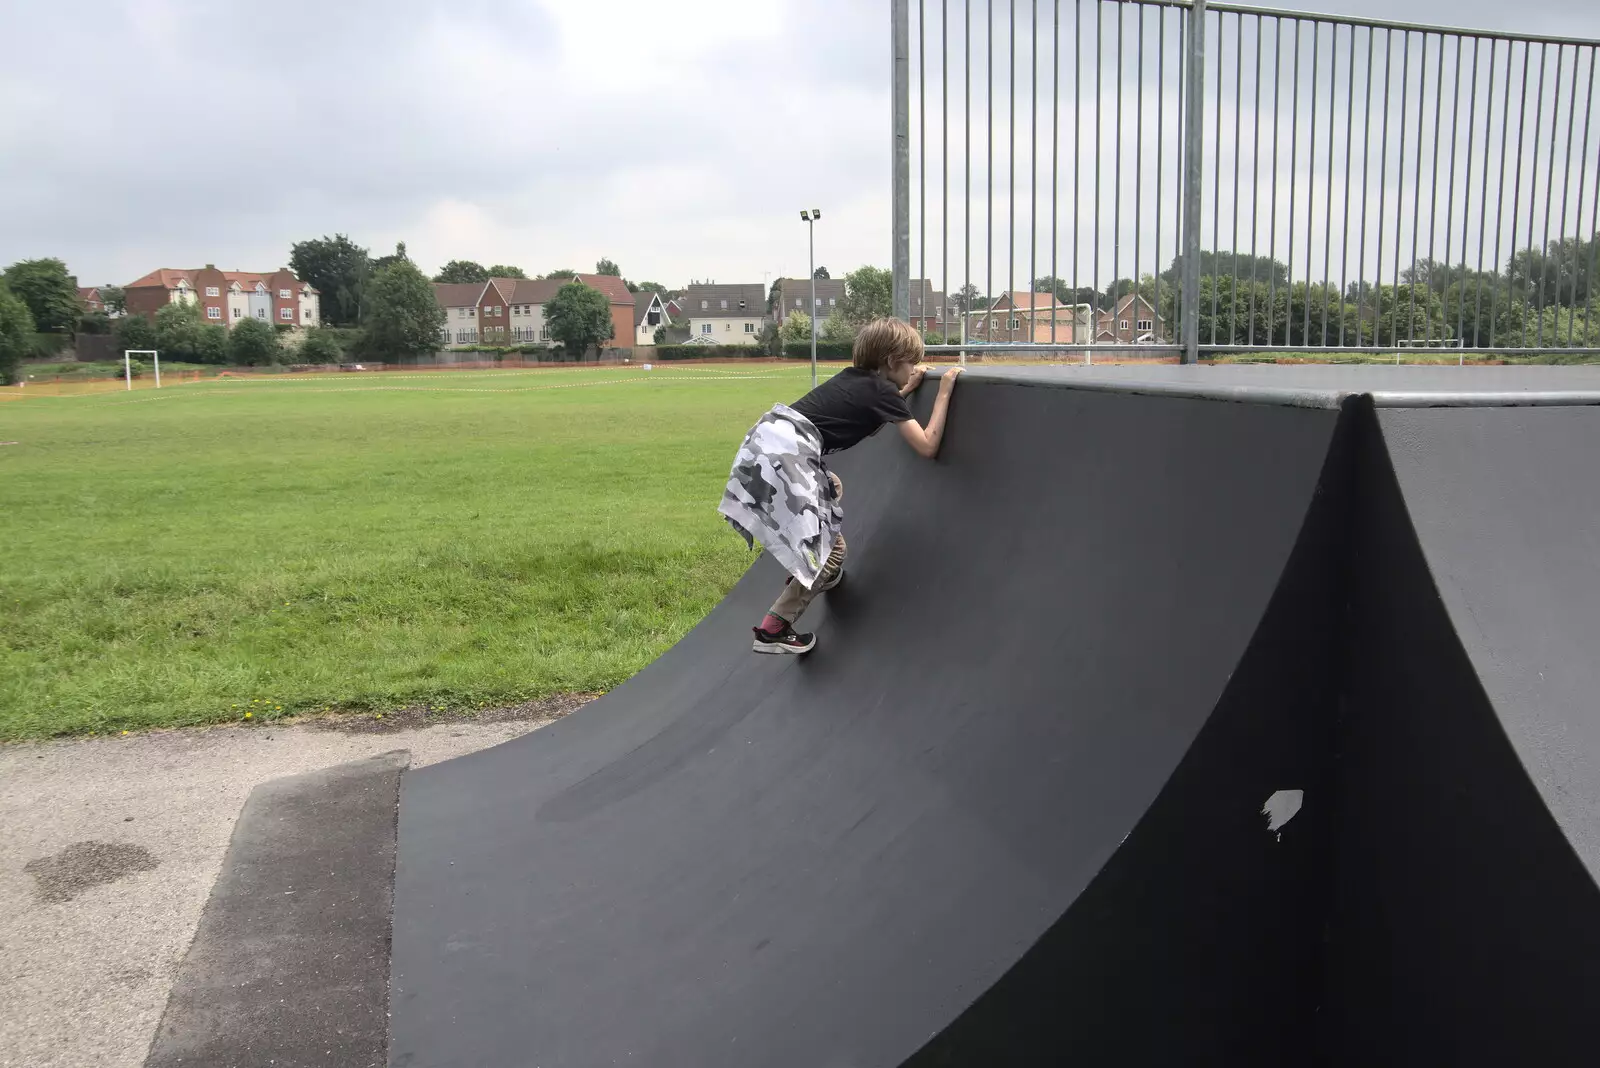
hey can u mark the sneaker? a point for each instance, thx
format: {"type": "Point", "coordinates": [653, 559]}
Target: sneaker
{"type": "Point", "coordinates": [835, 584]}
{"type": "Point", "coordinates": [786, 641]}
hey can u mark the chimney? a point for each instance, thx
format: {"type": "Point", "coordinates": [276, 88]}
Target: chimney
{"type": "Point", "coordinates": [211, 266]}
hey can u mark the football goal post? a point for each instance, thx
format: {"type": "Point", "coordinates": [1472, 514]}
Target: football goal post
{"type": "Point", "coordinates": [127, 364]}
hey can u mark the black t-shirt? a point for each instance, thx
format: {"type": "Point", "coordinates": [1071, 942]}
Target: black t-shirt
{"type": "Point", "coordinates": [852, 405]}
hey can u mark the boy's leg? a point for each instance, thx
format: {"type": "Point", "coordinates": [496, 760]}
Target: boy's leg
{"type": "Point", "coordinates": [795, 598]}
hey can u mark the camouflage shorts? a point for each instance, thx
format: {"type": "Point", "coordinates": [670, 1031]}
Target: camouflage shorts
{"type": "Point", "coordinates": [780, 494]}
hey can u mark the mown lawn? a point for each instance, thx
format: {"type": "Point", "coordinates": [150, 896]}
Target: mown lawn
{"type": "Point", "coordinates": [359, 541]}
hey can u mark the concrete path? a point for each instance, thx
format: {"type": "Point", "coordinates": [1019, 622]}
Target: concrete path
{"type": "Point", "coordinates": [108, 851]}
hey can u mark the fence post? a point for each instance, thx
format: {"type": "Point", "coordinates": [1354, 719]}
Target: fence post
{"type": "Point", "coordinates": [900, 34]}
{"type": "Point", "coordinates": [1193, 164]}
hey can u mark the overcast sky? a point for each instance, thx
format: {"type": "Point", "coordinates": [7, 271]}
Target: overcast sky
{"type": "Point", "coordinates": [678, 139]}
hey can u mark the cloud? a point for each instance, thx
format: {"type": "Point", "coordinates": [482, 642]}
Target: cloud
{"type": "Point", "coordinates": [680, 141]}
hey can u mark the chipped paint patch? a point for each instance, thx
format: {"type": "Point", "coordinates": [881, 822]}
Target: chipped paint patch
{"type": "Point", "coordinates": [1282, 807]}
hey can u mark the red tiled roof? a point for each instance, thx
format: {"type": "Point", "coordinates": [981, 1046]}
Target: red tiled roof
{"type": "Point", "coordinates": [165, 277]}
{"type": "Point", "coordinates": [534, 290]}
{"type": "Point", "coordinates": [458, 294]}
{"type": "Point", "coordinates": [609, 284]}
{"type": "Point", "coordinates": [168, 278]}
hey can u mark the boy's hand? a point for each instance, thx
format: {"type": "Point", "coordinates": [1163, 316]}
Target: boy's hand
{"type": "Point", "coordinates": [947, 383]}
{"type": "Point", "coordinates": [917, 374]}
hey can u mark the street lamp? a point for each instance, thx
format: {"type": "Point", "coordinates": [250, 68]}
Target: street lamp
{"type": "Point", "coordinates": [810, 219]}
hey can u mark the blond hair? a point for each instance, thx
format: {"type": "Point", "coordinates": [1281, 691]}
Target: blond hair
{"type": "Point", "coordinates": [886, 343]}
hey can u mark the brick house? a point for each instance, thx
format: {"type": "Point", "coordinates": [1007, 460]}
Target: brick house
{"type": "Point", "coordinates": [89, 297]}
{"type": "Point", "coordinates": [228, 297]}
{"type": "Point", "coordinates": [1027, 318]}
{"type": "Point", "coordinates": [1134, 321]}
{"type": "Point", "coordinates": [510, 311]}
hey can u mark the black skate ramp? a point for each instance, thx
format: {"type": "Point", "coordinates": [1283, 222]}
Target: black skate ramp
{"type": "Point", "coordinates": [739, 860]}
{"type": "Point", "coordinates": [1174, 715]}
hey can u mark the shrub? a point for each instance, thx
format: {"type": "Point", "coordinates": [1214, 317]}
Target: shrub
{"type": "Point", "coordinates": [319, 346]}
{"type": "Point", "coordinates": [254, 343]}
{"type": "Point", "coordinates": [826, 350]}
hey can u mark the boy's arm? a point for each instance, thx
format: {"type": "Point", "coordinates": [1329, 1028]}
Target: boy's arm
{"type": "Point", "coordinates": [926, 442]}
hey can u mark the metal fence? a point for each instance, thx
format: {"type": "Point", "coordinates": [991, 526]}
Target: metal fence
{"type": "Point", "coordinates": [1159, 178]}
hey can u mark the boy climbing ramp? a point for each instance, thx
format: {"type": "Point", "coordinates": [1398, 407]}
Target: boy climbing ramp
{"type": "Point", "coordinates": [780, 491]}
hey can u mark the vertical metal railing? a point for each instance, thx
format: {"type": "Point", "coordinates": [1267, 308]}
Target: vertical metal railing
{"type": "Point", "coordinates": [1200, 178]}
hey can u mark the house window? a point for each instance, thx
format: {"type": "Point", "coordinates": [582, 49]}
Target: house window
{"type": "Point", "coordinates": [705, 328]}
{"type": "Point", "coordinates": [1012, 324]}
{"type": "Point", "coordinates": [726, 327]}
{"type": "Point", "coordinates": [831, 302]}
{"type": "Point", "coordinates": [500, 330]}
{"type": "Point", "coordinates": [261, 313]}
{"type": "Point", "coordinates": [749, 328]}
{"type": "Point", "coordinates": [819, 302]}
{"type": "Point", "coordinates": [797, 302]}
{"type": "Point", "coordinates": [497, 310]}
{"type": "Point", "coordinates": [724, 305]}
{"type": "Point", "coordinates": [238, 312]}
{"type": "Point", "coordinates": [1122, 325]}
{"type": "Point", "coordinates": [283, 294]}
{"type": "Point", "coordinates": [213, 313]}
{"type": "Point", "coordinates": [1146, 324]}
{"type": "Point", "coordinates": [211, 291]}
{"type": "Point", "coordinates": [308, 315]}
{"type": "Point", "coordinates": [286, 314]}
{"type": "Point", "coordinates": [702, 305]}
{"type": "Point", "coordinates": [544, 333]}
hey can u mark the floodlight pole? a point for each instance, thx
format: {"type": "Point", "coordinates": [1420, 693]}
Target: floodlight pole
{"type": "Point", "coordinates": [810, 218]}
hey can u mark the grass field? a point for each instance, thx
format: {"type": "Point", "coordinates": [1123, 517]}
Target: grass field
{"type": "Point", "coordinates": [294, 544]}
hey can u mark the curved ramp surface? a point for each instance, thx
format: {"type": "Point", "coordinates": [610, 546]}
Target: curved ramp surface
{"type": "Point", "coordinates": [737, 860]}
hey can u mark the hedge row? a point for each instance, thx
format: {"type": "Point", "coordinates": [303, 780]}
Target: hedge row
{"type": "Point", "coordinates": [826, 350]}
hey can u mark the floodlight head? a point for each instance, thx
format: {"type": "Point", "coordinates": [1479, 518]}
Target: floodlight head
{"type": "Point", "coordinates": [805, 216]}
{"type": "Point", "coordinates": [816, 213]}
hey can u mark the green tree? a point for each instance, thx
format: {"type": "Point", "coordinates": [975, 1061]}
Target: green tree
{"type": "Point", "coordinates": [339, 269]}
{"type": "Point", "coordinates": [180, 332]}
{"type": "Point", "coordinates": [212, 344]}
{"type": "Point", "coordinates": [254, 343]}
{"type": "Point", "coordinates": [403, 319]}
{"type": "Point", "coordinates": [462, 271]}
{"type": "Point", "coordinates": [578, 317]}
{"type": "Point", "coordinates": [837, 330]}
{"type": "Point", "coordinates": [319, 346]}
{"type": "Point", "coordinates": [383, 263]}
{"type": "Point", "coordinates": [868, 295]}
{"type": "Point", "coordinates": [653, 287]}
{"type": "Point", "coordinates": [796, 327]}
{"type": "Point", "coordinates": [501, 270]}
{"type": "Point", "coordinates": [560, 274]}
{"type": "Point", "coordinates": [49, 291]}
{"type": "Point", "coordinates": [820, 272]}
{"type": "Point", "coordinates": [115, 300]}
{"type": "Point", "coordinates": [605, 266]}
{"type": "Point", "coordinates": [16, 333]}
{"type": "Point", "coordinates": [134, 332]}
{"type": "Point", "coordinates": [767, 340]}
{"type": "Point", "coordinates": [95, 322]}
